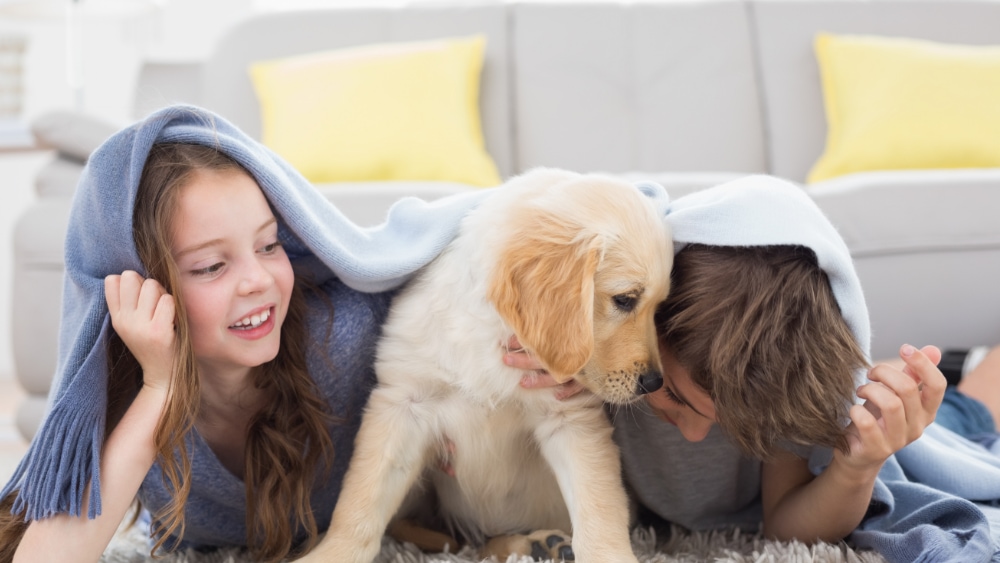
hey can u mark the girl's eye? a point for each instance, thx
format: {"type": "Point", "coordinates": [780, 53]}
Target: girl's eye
{"type": "Point", "coordinates": [270, 248]}
{"type": "Point", "coordinates": [209, 270]}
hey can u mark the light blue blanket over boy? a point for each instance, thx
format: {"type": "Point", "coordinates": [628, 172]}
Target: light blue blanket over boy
{"type": "Point", "coordinates": [919, 510]}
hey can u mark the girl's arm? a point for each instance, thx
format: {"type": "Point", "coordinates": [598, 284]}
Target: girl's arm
{"type": "Point", "coordinates": [831, 505]}
{"type": "Point", "coordinates": [128, 455]}
{"type": "Point", "coordinates": [142, 314]}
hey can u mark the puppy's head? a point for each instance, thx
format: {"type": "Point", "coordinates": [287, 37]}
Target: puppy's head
{"type": "Point", "coordinates": [584, 264]}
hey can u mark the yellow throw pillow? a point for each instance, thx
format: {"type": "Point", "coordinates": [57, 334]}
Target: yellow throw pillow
{"type": "Point", "coordinates": [895, 104]}
{"type": "Point", "coordinates": [404, 111]}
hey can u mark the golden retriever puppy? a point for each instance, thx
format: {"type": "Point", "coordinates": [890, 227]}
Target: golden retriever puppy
{"type": "Point", "coordinates": [574, 266]}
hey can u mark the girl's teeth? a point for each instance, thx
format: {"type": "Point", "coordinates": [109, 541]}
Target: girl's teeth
{"type": "Point", "coordinates": [253, 321]}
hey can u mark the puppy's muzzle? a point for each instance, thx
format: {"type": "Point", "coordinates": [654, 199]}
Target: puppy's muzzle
{"type": "Point", "coordinates": [648, 382]}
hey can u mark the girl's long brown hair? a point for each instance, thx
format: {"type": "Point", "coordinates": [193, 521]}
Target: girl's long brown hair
{"type": "Point", "coordinates": [287, 441]}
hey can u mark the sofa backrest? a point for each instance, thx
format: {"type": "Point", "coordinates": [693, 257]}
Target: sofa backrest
{"type": "Point", "coordinates": [621, 87]}
{"type": "Point", "coordinates": [785, 31]}
{"type": "Point", "coordinates": [227, 89]}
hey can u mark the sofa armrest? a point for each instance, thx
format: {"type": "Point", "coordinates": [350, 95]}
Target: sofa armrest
{"type": "Point", "coordinates": [73, 134]}
{"type": "Point", "coordinates": [58, 178]}
{"type": "Point", "coordinates": [926, 245]}
{"type": "Point", "coordinates": [913, 210]}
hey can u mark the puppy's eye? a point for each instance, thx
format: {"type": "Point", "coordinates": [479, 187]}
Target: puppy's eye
{"type": "Point", "coordinates": [625, 301]}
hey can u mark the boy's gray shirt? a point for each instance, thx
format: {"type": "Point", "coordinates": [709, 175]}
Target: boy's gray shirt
{"type": "Point", "coordinates": [933, 501]}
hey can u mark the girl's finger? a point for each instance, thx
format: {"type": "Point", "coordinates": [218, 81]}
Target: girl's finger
{"type": "Point", "coordinates": [112, 289]}
{"type": "Point", "coordinates": [131, 283]}
{"type": "Point", "coordinates": [164, 312]}
{"type": "Point", "coordinates": [149, 296]}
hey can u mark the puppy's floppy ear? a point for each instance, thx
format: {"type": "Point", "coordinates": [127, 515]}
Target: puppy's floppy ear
{"type": "Point", "coordinates": [543, 287]}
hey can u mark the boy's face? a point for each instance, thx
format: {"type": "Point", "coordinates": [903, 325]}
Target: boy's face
{"type": "Point", "coordinates": [680, 401]}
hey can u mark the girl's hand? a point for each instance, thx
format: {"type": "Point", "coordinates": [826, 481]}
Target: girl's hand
{"type": "Point", "coordinates": [535, 376]}
{"type": "Point", "coordinates": [899, 405]}
{"type": "Point", "coordinates": [142, 313]}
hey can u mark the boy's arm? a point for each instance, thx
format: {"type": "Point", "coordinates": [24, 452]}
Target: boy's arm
{"type": "Point", "coordinates": [831, 505]}
{"type": "Point", "coordinates": [823, 508]}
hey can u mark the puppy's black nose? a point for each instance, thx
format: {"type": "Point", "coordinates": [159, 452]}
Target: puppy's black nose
{"type": "Point", "coordinates": [649, 382]}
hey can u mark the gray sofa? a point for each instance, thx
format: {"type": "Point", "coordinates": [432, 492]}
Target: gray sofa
{"type": "Point", "coordinates": [686, 93]}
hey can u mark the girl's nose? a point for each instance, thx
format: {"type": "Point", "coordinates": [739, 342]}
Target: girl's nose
{"type": "Point", "coordinates": [255, 278]}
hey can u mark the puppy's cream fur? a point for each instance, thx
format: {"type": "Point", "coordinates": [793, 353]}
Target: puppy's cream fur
{"type": "Point", "coordinates": [574, 266]}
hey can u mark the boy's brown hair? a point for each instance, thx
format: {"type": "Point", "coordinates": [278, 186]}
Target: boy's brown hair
{"type": "Point", "coordinates": [760, 330]}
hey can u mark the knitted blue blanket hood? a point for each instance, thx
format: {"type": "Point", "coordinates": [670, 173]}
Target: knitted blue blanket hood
{"type": "Point", "coordinates": [63, 458]}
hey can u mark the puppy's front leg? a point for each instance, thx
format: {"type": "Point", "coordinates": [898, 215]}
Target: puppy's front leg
{"type": "Point", "coordinates": [578, 447]}
{"type": "Point", "coordinates": [389, 454]}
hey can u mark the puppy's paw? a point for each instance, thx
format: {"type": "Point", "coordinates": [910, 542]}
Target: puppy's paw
{"type": "Point", "coordinates": [541, 545]}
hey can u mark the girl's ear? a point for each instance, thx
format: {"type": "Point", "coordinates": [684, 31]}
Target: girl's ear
{"type": "Point", "coordinates": [543, 287]}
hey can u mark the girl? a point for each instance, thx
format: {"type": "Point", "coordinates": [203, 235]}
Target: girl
{"type": "Point", "coordinates": [227, 387]}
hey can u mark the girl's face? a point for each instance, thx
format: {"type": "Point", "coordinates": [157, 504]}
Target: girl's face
{"type": "Point", "coordinates": [680, 401]}
{"type": "Point", "coordinates": [235, 278]}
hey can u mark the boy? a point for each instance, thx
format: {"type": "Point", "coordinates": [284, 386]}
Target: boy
{"type": "Point", "coordinates": [766, 333]}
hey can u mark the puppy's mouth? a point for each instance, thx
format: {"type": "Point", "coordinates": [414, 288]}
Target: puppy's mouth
{"type": "Point", "coordinates": [611, 390]}
{"type": "Point", "coordinates": [620, 388]}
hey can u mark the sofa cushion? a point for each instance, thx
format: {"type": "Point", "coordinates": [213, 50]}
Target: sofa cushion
{"type": "Point", "coordinates": [786, 31]}
{"type": "Point", "coordinates": [615, 86]}
{"type": "Point", "coordinates": [227, 88]}
{"type": "Point", "coordinates": [392, 111]}
{"type": "Point", "coordinates": [896, 104]}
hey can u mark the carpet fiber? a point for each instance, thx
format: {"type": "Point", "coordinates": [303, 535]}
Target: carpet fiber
{"type": "Point", "coordinates": [682, 547]}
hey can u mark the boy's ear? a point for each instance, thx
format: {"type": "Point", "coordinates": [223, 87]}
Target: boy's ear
{"type": "Point", "coordinates": [543, 287]}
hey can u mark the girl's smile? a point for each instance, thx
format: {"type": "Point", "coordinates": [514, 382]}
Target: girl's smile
{"type": "Point", "coordinates": [256, 325]}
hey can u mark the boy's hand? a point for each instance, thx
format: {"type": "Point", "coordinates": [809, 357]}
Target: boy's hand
{"type": "Point", "coordinates": [142, 313]}
{"type": "Point", "coordinates": [899, 405]}
{"type": "Point", "coordinates": [536, 377]}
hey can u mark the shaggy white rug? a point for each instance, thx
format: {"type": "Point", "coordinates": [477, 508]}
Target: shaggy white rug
{"type": "Point", "coordinates": [682, 547]}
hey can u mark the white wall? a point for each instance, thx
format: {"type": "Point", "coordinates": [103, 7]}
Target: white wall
{"type": "Point", "coordinates": [117, 37]}
{"type": "Point", "coordinates": [16, 173]}
{"type": "Point", "coordinates": [45, 86]}
{"type": "Point", "coordinates": [115, 40]}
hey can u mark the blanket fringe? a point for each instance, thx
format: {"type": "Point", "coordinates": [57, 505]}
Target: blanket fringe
{"type": "Point", "coordinates": [61, 461]}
